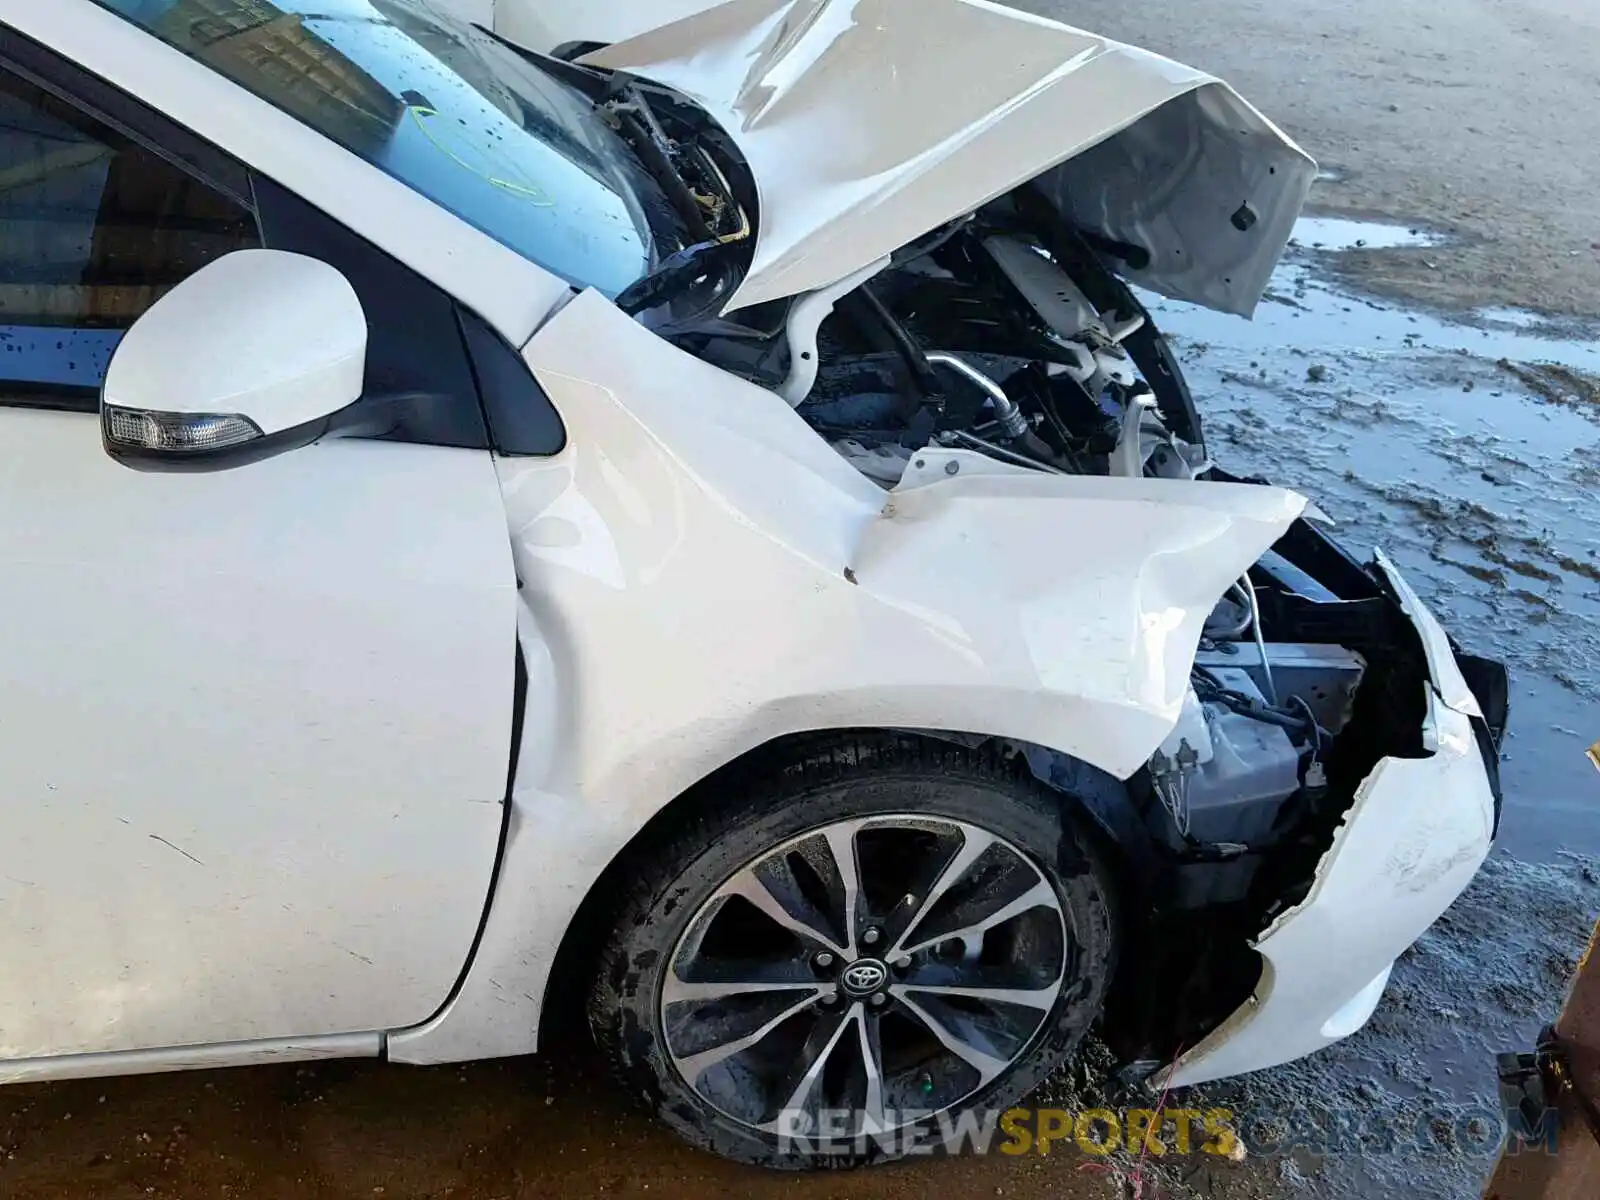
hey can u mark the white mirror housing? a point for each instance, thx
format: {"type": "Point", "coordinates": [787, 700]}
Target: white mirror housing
{"type": "Point", "coordinates": [255, 353]}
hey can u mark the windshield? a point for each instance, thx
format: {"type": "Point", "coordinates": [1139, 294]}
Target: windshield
{"type": "Point", "coordinates": [448, 110]}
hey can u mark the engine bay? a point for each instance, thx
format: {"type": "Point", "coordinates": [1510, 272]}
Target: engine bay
{"type": "Point", "coordinates": [1001, 333]}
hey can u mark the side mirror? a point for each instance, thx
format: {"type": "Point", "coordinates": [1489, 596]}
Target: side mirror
{"type": "Point", "coordinates": [256, 353]}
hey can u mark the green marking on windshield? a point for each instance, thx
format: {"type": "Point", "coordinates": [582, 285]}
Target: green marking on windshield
{"type": "Point", "coordinates": [528, 190]}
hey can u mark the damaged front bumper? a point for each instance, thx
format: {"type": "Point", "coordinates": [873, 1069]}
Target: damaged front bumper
{"type": "Point", "coordinates": [1411, 842]}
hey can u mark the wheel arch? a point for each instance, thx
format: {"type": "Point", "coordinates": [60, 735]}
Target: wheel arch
{"type": "Point", "coordinates": [1098, 799]}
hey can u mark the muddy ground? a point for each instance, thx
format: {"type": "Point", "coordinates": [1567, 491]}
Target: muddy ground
{"type": "Point", "coordinates": [1439, 420]}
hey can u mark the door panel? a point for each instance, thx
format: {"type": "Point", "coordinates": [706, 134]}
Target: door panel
{"type": "Point", "coordinates": [254, 729]}
{"type": "Point", "coordinates": [254, 725]}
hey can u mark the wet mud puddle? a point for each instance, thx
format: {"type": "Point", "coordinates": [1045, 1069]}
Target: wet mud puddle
{"type": "Point", "coordinates": [1470, 450]}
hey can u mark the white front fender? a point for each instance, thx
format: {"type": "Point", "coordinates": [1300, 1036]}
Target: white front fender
{"type": "Point", "coordinates": [702, 574]}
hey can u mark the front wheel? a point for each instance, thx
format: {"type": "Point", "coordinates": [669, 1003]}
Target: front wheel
{"type": "Point", "coordinates": [853, 947]}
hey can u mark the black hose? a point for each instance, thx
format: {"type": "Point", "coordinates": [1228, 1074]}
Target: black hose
{"type": "Point", "coordinates": [1268, 716]}
{"type": "Point", "coordinates": [1248, 706]}
{"type": "Point", "coordinates": [900, 339]}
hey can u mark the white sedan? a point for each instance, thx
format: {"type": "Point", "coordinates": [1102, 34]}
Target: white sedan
{"type": "Point", "coordinates": [698, 522]}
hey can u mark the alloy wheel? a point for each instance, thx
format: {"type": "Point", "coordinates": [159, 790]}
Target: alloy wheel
{"type": "Point", "coordinates": [865, 975]}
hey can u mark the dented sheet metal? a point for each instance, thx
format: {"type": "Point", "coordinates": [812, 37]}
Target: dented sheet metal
{"type": "Point", "coordinates": [662, 554]}
{"type": "Point", "coordinates": [703, 500]}
{"type": "Point", "coordinates": [868, 123]}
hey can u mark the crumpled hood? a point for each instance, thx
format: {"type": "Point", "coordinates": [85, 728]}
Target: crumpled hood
{"type": "Point", "coordinates": [868, 123]}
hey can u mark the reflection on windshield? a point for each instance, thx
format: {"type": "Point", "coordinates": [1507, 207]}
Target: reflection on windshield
{"type": "Point", "coordinates": [446, 109]}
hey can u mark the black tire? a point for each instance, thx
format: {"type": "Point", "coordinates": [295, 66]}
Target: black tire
{"type": "Point", "coordinates": [806, 788]}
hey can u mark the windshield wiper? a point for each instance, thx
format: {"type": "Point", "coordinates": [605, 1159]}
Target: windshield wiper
{"type": "Point", "coordinates": [623, 105]}
{"type": "Point", "coordinates": [630, 112]}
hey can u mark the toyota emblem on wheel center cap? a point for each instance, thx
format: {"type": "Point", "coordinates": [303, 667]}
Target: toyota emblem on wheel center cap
{"type": "Point", "coordinates": [864, 976]}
